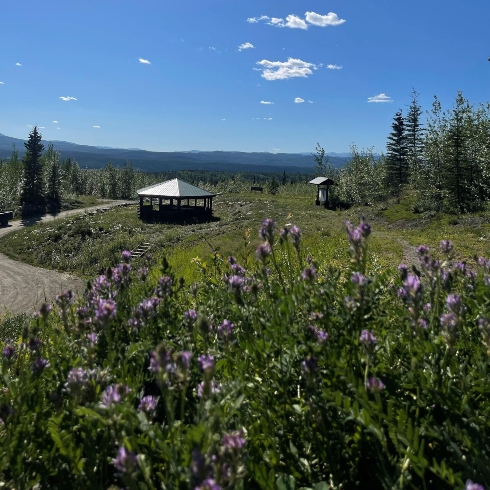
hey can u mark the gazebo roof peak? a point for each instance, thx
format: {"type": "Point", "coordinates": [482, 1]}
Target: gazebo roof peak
{"type": "Point", "coordinates": [174, 188]}
{"type": "Point", "coordinates": [321, 181]}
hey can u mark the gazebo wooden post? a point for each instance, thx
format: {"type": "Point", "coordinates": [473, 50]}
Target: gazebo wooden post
{"type": "Point", "coordinates": [159, 205]}
{"type": "Point", "coordinates": [317, 202]}
{"type": "Point", "coordinates": [171, 203]}
{"type": "Point", "coordinates": [178, 204]}
{"type": "Point", "coordinates": [141, 206]}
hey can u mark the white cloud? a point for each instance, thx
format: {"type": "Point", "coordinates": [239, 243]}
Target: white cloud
{"type": "Point", "coordinates": [66, 99]}
{"type": "Point", "coordinates": [42, 127]}
{"type": "Point", "coordinates": [266, 102]}
{"type": "Point", "coordinates": [310, 101]}
{"type": "Point", "coordinates": [145, 62]}
{"type": "Point", "coordinates": [254, 20]}
{"type": "Point", "coordinates": [55, 122]}
{"type": "Point", "coordinates": [380, 98]}
{"type": "Point", "coordinates": [58, 128]}
{"type": "Point", "coordinates": [245, 46]}
{"type": "Point", "coordinates": [18, 64]}
{"type": "Point", "coordinates": [30, 126]}
{"type": "Point", "coordinates": [212, 48]}
{"type": "Point", "coordinates": [1, 83]}
{"type": "Point", "coordinates": [334, 67]}
{"type": "Point", "coordinates": [267, 118]}
{"type": "Point", "coordinates": [294, 22]}
{"type": "Point", "coordinates": [330, 19]}
{"type": "Point", "coordinates": [223, 119]}
{"type": "Point", "coordinates": [298, 100]}
{"type": "Point", "coordinates": [98, 127]}
{"type": "Point", "coordinates": [280, 70]}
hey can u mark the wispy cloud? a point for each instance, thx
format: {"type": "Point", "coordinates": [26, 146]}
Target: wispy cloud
{"type": "Point", "coordinates": [223, 119]}
{"type": "Point", "coordinates": [1, 83]}
{"type": "Point", "coordinates": [310, 101]}
{"type": "Point", "coordinates": [266, 102]}
{"type": "Point", "coordinates": [58, 128]}
{"type": "Point", "coordinates": [18, 64]}
{"type": "Point", "coordinates": [98, 127]}
{"type": "Point", "coordinates": [334, 67]}
{"type": "Point", "coordinates": [380, 98]}
{"type": "Point", "coordinates": [144, 62]}
{"type": "Point", "coordinates": [55, 122]}
{"type": "Point", "coordinates": [212, 48]}
{"type": "Point", "coordinates": [42, 127]}
{"type": "Point", "coordinates": [294, 22]}
{"type": "Point", "coordinates": [245, 46]}
{"type": "Point", "coordinates": [330, 19]}
{"type": "Point", "coordinates": [280, 70]}
{"type": "Point", "coordinates": [66, 99]}
{"type": "Point", "coordinates": [298, 100]}
{"type": "Point", "coordinates": [268, 118]}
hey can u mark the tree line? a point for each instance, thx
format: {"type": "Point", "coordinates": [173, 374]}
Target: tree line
{"type": "Point", "coordinates": [444, 162]}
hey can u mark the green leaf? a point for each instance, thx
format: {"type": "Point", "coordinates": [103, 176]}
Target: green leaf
{"type": "Point", "coordinates": [286, 482]}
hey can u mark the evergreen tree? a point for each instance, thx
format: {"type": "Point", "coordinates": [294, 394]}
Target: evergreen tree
{"type": "Point", "coordinates": [415, 140]}
{"type": "Point", "coordinates": [396, 158]}
{"type": "Point", "coordinates": [32, 195]}
{"type": "Point", "coordinates": [54, 183]}
{"type": "Point", "coordinates": [127, 181]}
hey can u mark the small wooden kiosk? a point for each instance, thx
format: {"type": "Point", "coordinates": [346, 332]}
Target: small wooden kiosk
{"type": "Point", "coordinates": [174, 198]}
{"type": "Point", "coordinates": [323, 184]}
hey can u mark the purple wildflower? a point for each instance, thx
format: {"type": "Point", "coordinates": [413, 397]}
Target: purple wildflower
{"type": "Point", "coordinates": [320, 335]}
{"type": "Point", "coordinates": [454, 304]}
{"type": "Point", "coordinates": [126, 256]}
{"type": "Point", "coordinates": [403, 270]}
{"type": "Point", "coordinates": [208, 484]}
{"type": "Point", "coordinates": [92, 338]}
{"type": "Point", "coordinates": [147, 309]}
{"type": "Point", "coordinates": [125, 460]}
{"type": "Point", "coordinates": [234, 441]}
{"type": "Point", "coordinates": [40, 365]}
{"type": "Point", "coordinates": [422, 250]}
{"type": "Point", "coordinates": [8, 352]}
{"type": "Point", "coordinates": [295, 233]}
{"type": "Point", "coordinates": [105, 311]}
{"type": "Point", "coordinates": [358, 279]}
{"type": "Point", "coordinates": [212, 388]}
{"type": "Point", "coordinates": [309, 366]}
{"type": "Point", "coordinates": [374, 385]}
{"type": "Point", "coordinates": [64, 298]}
{"type": "Point", "coordinates": [206, 363]}
{"type": "Point", "coordinates": [148, 405]}
{"type": "Point", "coordinates": [231, 260]}
{"type": "Point", "coordinates": [473, 486]}
{"type": "Point", "coordinates": [263, 251]}
{"type": "Point", "coordinates": [164, 288]}
{"type": "Point", "coordinates": [368, 339]}
{"type": "Point", "coordinates": [45, 310]}
{"type": "Point", "coordinates": [35, 344]}
{"type": "Point", "coordinates": [266, 231]}
{"type": "Point", "coordinates": [113, 393]}
{"type": "Point", "coordinates": [77, 379]}
{"type": "Point", "coordinates": [236, 282]}
{"type": "Point", "coordinates": [190, 316]}
{"type": "Point", "coordinates": [143, 273]}
{"type": "Point", "coordinates": [364, 228]}
{"type": "Point", "coordinates": [446, 246]}
{"type": "Point", "coordinates": [225, 330]}
{"type": "Point", "coordinates": [309, 273]}
{"type": "Point", "coordinates": [160, 359]}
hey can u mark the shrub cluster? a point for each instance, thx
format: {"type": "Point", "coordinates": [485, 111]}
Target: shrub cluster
{"type": "Point", "coordinates": [268, 373]}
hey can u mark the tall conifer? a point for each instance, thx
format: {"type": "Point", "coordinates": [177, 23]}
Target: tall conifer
{"type": "Point", "coordinates": [396, 158]}
{"type": "Point", "coordinates": [32, 193]}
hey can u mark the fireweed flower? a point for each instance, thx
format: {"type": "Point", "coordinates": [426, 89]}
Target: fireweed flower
{"type": "Point", "coordinates": [263, 251]}
{"type": "Point", "coordinates": [473, 486]}
{"type": "Point", "coordinates": [125, 461]}
{"type": "Point", "coordinates": [40, 365]}
{"type": "Point", "coordinates": [266, 231]}
{"type": "Point", "coordinates": [148, 405]}
{"type": "Point", "coordinates": [374, 385]}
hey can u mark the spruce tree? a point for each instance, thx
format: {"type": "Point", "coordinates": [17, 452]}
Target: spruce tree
{"type": "Point", "coordinates": [396, 158]}
{"type": "Point", "coordinates": [415, 140]}
{"type": "Point", "coordinates": [54, 182]}
{"type": "Point", "coordinates": [32, 194]}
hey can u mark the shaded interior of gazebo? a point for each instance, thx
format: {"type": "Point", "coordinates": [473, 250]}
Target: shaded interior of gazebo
{"type": "Point", "coordinates": [174, 197]}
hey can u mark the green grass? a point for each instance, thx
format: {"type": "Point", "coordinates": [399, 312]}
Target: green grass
{"type": "Point", "coordinates": [86, 244]}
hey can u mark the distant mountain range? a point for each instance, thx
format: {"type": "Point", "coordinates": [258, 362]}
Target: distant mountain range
{"type": "Point", "coordinates": [151, 161]}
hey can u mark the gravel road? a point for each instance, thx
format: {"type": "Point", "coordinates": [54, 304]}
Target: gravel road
{"type": "Point", "coordinates": [23, 288]}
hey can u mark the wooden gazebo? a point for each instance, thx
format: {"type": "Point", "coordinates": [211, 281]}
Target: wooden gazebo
{"type": "Point", "coordinates": [174, 197]}
{"type": "Point", "coordinates": [323, 184]}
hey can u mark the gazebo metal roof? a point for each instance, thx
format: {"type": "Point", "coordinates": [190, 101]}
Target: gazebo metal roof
{"type": "Point", "coordinates": [321, 181]}
{"type": "Point", "coordinates": [174, 188]}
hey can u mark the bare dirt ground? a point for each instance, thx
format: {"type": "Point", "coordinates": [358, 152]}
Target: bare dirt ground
{"type": "Point", "coordinates": [23, 288]}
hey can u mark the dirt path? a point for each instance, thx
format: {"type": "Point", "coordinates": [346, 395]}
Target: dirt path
{"type": "Point", "coordinates": [23, 288]}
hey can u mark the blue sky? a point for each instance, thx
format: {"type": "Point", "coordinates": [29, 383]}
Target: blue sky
{"type": "Point", "coordinates": [183, 75]}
